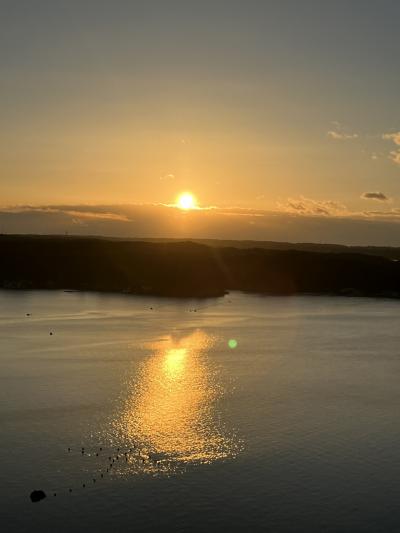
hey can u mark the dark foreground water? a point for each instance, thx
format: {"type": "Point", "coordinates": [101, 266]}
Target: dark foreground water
{"type": "Point", "coordinates": [293, 427]}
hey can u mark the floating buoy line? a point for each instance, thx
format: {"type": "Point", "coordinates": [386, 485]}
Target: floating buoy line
{"type": "Point", "coordinates": [112, 458]}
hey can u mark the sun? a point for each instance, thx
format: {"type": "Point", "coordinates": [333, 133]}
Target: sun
{"type": "Point", "coordinates": [186, 201]}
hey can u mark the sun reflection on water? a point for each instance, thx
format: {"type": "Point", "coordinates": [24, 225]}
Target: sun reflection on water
{"type": "Point", "coordinates": [172, 406]}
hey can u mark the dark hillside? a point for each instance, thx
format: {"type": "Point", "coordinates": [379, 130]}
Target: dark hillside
{"type": "Point", "coordinates": [188, 269]}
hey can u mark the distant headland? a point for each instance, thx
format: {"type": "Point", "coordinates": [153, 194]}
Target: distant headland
{"type": "Point", "coordinates": [195, 269]}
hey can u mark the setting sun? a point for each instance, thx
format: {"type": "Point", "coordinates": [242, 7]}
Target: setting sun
{"type": "Point", "coordinates": [186, 201]}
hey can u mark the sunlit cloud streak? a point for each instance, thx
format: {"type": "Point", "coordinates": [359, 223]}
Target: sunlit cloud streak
{"type": "Point", "coordinates": [338, 136]}
{"type": "Point", "coordinates": [297, 220]}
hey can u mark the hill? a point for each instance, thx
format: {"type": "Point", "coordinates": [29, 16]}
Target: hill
{"type": "Point", "coordinates": [189, 269]}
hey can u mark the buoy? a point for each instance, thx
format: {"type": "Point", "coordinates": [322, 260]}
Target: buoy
{"type": "Point", "coordinates": [37, 496]}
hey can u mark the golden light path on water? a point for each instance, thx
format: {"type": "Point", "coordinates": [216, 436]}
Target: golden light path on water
{"type": "Point", "coordinates": [172, 407]}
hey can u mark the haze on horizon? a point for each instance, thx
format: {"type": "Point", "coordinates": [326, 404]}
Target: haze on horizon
{"type": "Point", "coordinates": [280, 116]}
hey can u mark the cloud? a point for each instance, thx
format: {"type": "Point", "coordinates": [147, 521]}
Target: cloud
{"type": "Point", "coordinates": [98, 216]}
{"type": "Point", "coordinates": [395, 156]}
{"type": "Point", "coordinates": [339, 133]}
{"type": "Point", "coordinates": [390, 214]}
{"type": "Point", "coordinates": [308, 206]}
{"type": "Point", "coordinates": [297, 220]}
{"type": "Point", "coordinates": [341, 136]}
{"type": "Point", "coordinates": [240, 211]}
{"type": "Point", "coordinates": [374, 196]}
{"type": "Point", "coordinates": [77, 212]}
{"type": "Point", "coordinates": [395, 138]}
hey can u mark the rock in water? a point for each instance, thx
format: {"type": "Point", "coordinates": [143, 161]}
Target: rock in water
{"type": "Point", "coordinates": [37, 495]}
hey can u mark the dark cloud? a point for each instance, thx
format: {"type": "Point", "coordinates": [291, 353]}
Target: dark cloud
{"type": "Point", "coordinates": [375, 196]}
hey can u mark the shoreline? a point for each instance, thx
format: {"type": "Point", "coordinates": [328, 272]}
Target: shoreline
{"type": "Point", "coordinates": [349, 294]}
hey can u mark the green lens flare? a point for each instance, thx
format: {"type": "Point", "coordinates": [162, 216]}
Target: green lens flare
{"type": "Point", "coordinates": [232, 343]}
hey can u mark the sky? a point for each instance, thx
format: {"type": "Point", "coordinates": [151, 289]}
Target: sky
{"type": "Point", "coordinates": [272, 110]}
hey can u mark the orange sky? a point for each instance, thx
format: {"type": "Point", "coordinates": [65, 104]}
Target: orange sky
{"type": "Point", "coordinates": [271, 106]}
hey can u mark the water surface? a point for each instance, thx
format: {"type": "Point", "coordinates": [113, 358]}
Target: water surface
{"type": "Point", "coordinates": [295, 429]}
